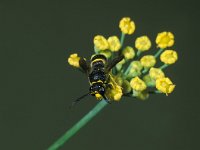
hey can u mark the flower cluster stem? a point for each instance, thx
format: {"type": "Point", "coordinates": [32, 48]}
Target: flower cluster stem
{"type": "Point", "coordinates": [159, 52]}
{"type": "Point", "coordinates": [78, 125]}
{"type": "Point", "coordinates": [145, 70]}
{"type": "Point", "coordinates": [122, 39]}
{"type": "Point", "coordinates": [138, 53]}
{"type": "Point", "coordinates": [157, 92]}
{"type": "Point", "coordinates": [163, 66]}
{"type": "Point", "coordinates": [127, 70]}
{"type": "Point", "coordinates": [96, 50]}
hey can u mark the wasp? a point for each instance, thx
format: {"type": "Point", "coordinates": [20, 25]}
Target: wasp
{"type": "Point", "coordinates": [99, 76]}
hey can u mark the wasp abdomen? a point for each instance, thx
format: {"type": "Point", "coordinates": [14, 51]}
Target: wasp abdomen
{"type": "Point", "coordinates": [97, 75]}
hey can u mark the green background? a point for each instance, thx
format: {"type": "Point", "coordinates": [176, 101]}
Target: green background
{"type": "Point", "coordinates": [37, 84]}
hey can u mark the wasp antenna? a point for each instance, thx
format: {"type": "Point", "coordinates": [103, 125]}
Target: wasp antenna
{"type": "Point", "coordinates": [78, 99]}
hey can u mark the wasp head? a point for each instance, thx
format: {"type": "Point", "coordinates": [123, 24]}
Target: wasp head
{"type": "Point", "coordinates": [96, 89]}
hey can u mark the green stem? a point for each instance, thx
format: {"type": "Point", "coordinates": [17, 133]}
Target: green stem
{"type": "Point", "coordinates": [159, 52]}
{"type": "Point", "coordinates": [145, 70]}
{"type": "Point", "coordinates": [138, 53]}
{"type": "Point", "coordinates": [157, 92]}
{"type": "Point", "coordinates": [114, 69]}
{"type": "Point", "coordinates": [122, 39]}
{"type": "Point", "coordinates": [127, 70]}
{"type": "Point", "coordinates": [163, 66]}
{"type": "Point", "coordinates": [96, 50]}
{"type": "Point", "coordinates": [78, 125]}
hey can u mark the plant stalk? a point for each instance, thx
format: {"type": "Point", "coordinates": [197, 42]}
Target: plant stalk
{"type": "Point", "coordinates": [78, 125]}
{"type": "Point", "coordinates": [159, 52]}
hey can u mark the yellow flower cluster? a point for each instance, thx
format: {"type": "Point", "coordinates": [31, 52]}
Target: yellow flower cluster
{"type": "Point", "coordinates": [128, 53]}
{"type": "Point", "coordinates": [156, 73]}
{"type": "Point", "coordinates": [143, 43]}
{"type": "Point", "coordinates": [126, 25]}
{"type": "Point", "coordinates": [100, 42]}
{"type": "Point", "coordinates": [149, 81]}
{"type": "Point", "coordinates": [165, 39]}
{"type": "Point", "coordinates": [169, 57]}
{"type": "Point", "coordinates": [165, 85]}
{"type": "Point", "coordinates": [115, 92]}
{"type": "Point", "coordinates": [138, 84]}
{"type": "Point", "coordinates": [135, 69]}
{"type": "Point", "coordinates": [74, 60]}
{"type": "Point", "coordinates": [134, 75]}
{"type": "Point", "coordinates": [112, 44]}
{"type": "Point", "coordinates": [136, 65]}
{"type": "Point", "coordinates": [148, 61]}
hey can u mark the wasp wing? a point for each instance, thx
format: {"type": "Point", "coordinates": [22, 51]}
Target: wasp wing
{"type": "Point", "coordinates": [84, 65]}
{"type": "Point", "coordinates": [113, 63]}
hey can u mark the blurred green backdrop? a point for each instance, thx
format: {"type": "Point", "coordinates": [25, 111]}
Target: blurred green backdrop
{"type": "Point", "coordinates": [38, 85]}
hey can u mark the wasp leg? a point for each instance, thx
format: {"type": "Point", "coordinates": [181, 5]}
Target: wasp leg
{"type": "Point", "coordinates": [113, 63]}
{"type": "Point", "coordinates": [108, 101]}
{"type": "Point", "coordinates": [109, 85]}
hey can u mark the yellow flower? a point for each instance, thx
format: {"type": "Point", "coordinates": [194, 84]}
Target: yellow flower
{"type": "Point", "coordinates": [156, 73]}
{"type": "Point", "coordinates": [135, 69]}
{"type": "Point", "coordinates": [143, 43]}
{"type": "Point", "coordinates": [126, 88]}
{"type": "Point", "coordinates": [165, 85]}
{"type": "Point", "coordinates": [120, 64]}
{"type": "Point", "coordinates": [138, 84]}
{"type": "Point", "coordinates": [100, 42]}
{"type": "Point", "coordinates": [118, 79]}
{"type": "Point", "coordinates": [126, 25]}
{"type": "Point", "coordinates": [148, 61]}
{"type": "Point", "coordinates": [149, 81]}
{"type": "Point", "coordinates": [74, 60]}
{"type": "Point", "coordinates": [128, 52]}
{"type": "Point", "coordinates": [136, 65]}
{"type": "Point", "coordinates": [115, 92]}
{"type": "Point", "coordinates": [165, 39]}
{"type": "Point", "coordinates": [169, 57]}
{"type": "Point", "coordinates": [114, 43]}
{"type": "Point", "coordinates": [143, 95]}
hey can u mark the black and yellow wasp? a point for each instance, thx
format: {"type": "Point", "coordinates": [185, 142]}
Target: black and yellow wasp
{"type": "Point", "coordinates": [99, 76]}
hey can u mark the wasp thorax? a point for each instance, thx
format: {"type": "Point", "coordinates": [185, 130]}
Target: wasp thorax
{"type": "Point", "coordinates": [98, 56]}
{"type": "Point", "coordinates": [98, 64]}
{"type": "Point", "coordinates": [97, 75]}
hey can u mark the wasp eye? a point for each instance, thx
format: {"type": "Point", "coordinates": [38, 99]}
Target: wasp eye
{"type": "Point", "coordinates": [91, 88]}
